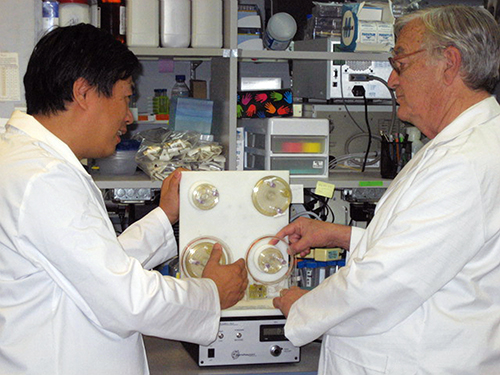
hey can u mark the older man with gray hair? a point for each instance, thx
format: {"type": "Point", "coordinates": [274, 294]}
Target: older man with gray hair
{"type": "Point", "coordinates": [420, 291]}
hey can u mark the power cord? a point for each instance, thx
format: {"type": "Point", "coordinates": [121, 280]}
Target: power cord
{"type": "Point", "coordinates": [323, 209]}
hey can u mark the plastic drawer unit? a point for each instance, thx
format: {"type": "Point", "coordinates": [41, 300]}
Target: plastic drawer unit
{"type": "Point", "coordinates": [299, 145]}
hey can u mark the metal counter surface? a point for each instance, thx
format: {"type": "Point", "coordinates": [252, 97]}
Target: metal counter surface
{"type": "Point", "coordinates": [170, 357]}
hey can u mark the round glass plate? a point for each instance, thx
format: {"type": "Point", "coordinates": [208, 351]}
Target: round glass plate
{"type": "Point", "coordinates": [268, 261]}
{"type": "Point", "coordinates": [204, 196]}
{"type": "Point", "coordinates": [271, 196]}
{"type": "Point", "coordinates": [196, 254]}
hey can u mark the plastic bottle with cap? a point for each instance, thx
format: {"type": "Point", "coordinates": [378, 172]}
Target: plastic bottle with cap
{"type": "Point", "coordinates": [73, 12]}
{"type": "Point", "coordinates": [179, 90]}
{"type": "Point", "coordinates": [280, 30]}
{"type": "Point", "coordinates": [50, 15]}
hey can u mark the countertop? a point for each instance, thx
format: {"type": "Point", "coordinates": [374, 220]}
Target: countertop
{"type": "Point", "coordinates": [170, 357]}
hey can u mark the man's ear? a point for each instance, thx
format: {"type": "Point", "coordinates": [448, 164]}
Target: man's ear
{"type": "Point", "coordinates": [453, 60]}
{"type": "Point", "coordinates": [81, 89]}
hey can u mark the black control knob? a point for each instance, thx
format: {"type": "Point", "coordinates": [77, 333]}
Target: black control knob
{"type": "Point", "coordinates": [276, 350]}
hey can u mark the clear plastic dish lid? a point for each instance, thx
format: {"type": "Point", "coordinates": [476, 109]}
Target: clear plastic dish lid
{"type": "Point", "coordinates": [204, 196]}
{"type": "Point", "coordinates": [196, 254]}
{"type": "Point", "coordinates": [272, 196]}
{"type": "Point", "coordinates": [268, 260]}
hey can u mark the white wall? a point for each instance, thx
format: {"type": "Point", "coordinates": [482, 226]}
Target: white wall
{"type": "Point", "coordinates": [19, 24]}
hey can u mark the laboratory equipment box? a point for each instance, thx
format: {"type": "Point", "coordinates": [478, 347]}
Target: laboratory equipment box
{"type": "Point", "coordinates": [330, 80]}
{"type": "Point", "coordinates": [299, 145]}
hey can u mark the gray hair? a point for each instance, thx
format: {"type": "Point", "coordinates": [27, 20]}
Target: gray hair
{"type": "Point", "coordinates": [473, 31]}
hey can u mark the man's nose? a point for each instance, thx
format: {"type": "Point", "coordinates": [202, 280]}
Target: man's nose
{"type": "Point", "coordinates": [129, 119]}
{"type": "Point", "coordinates": [393, 80]}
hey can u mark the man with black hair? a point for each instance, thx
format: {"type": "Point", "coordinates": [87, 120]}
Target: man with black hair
{"type": "Point", "coordinates": [74, 298]}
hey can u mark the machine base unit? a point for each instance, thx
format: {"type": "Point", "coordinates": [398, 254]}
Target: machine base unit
{"type": "Point", "coordinates": [244, 341]}
{"type": "Point", "coordinates": [330, 80]}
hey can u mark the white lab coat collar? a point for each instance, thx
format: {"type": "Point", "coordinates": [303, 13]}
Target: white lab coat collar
{"type": "Point", "coordinates": [472, 117]}
{"type": "Point", "coordinates": [469, 119]}
{"type": "Point", "coordinates": [29, 125]}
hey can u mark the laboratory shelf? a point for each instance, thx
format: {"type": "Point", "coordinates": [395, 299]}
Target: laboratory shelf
{"type": "Point", "coordinates": [151, 52]}
{"type": "Point", "coordinates": [180, 52]}
{"type": "Point", "coordinates": [341, 180]}
{"type": "Point", "coordinates": [311, 55]}
{"type": "Point", "coordinates": [136, 181]}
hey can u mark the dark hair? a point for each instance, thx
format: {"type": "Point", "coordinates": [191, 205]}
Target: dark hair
{"type": "Point", "coordinates": [68, 53]}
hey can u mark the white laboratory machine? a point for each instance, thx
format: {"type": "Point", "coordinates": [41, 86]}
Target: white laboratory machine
{"type": "Point", "coordinates": [330, 80]}
{"type": "Point", "coordinates": [241, 210]}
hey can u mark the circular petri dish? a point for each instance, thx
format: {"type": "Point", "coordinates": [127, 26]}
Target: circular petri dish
{"type": "Point", "coordinates": [196, 254]}
{"type": "Point", "coordinates": [204, 196]}
{"type": "Point", "coordinates": [271, 196]}
{"type": "Point", "coordinates": [268, 261]}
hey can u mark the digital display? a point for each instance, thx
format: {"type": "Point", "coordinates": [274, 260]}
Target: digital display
{"type": "Point", "coordinates": [272, 332]}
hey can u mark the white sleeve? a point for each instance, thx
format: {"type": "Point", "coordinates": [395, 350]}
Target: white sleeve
{"type": "Point", "coordinates": [150, 240]}
{"type": "Point", "coordinates": [65, 232]}
{"type": "Point", "coordinates": [400, 262]}
{"type": "Point", "coordinates": [356, 234]}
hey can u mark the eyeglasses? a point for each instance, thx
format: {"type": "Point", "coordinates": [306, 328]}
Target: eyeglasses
{"type": "Point", "coordinates": [394, 61]}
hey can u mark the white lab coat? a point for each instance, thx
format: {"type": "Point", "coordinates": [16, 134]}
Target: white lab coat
{"type": "Point", "coordinates": [420, 293]}
{"type": "Point", "coordinates": [74, 299]}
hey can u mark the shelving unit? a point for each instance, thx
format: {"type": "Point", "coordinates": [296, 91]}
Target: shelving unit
{"type": "Point", "coordinates": [224, 78]}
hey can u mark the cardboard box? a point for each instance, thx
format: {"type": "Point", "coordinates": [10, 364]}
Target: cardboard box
{"type": "Point", "coordinates": [367, 26]}
{"type": "Point", "coordinates": [261, 104]}
{"type": "Point", "coordinates": [198, 89]}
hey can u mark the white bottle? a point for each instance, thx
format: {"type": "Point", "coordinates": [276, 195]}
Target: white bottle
{"type": "Point", "coordinates": [206, 23]}
{"type": "Point", "coordinates": [73, 12]}
{"type": "Point", "coordinates": [414, 137]}
{"type": "Point", "coordinates": [175, 23]}
{"type": "Point", "coordinates": [280, 30]}
{"type": "Point", "coordinates": [143, 23]}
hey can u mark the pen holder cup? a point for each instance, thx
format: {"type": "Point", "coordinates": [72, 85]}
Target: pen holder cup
{"type": "Point", "coordinates": [393, 157]}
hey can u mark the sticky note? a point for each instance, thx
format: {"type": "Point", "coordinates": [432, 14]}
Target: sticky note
{"type": "Point", "coordinates": [165, 66]}
{"type": "Point", "coordinates": [324, 189]}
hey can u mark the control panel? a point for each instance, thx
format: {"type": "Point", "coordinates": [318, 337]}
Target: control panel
{"type": "Point", "coordinates": [247, 341]}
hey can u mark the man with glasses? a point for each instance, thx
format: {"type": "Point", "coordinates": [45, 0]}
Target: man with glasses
{"type": "Point", "coordinates": [420, 291]}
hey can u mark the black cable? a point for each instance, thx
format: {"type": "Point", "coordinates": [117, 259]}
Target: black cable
{"type": "Point", "coordinates": [369, 133]}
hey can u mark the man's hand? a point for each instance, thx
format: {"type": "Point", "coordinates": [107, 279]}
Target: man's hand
{"type": "Point", "coordinates": [169, 196]}
{"type": "Point", "coordinates": [231, 279]}
{"type": "Point", "coordinates": [304, 234]}
{"type": "Point", "coordinates": [287, 299]}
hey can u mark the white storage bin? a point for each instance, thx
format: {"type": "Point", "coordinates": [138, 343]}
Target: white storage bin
{"type": "Point", "coordinates": [122, 162]}
{"type": "Point", "coordinates": [206, 23]}
{"type": "Point", "coordinates": [143, 23]}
